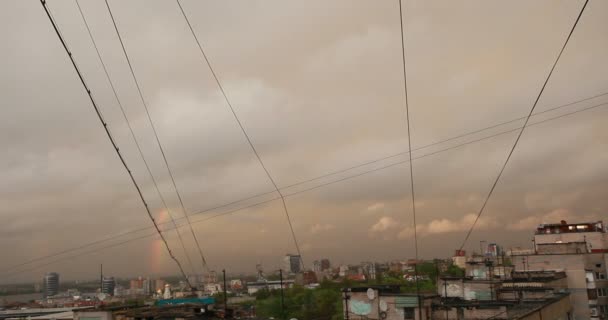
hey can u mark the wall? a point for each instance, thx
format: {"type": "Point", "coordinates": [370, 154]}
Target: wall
{"type": "Point", "coordinates": [556, 311]}
{"type": "Point", "coordinates": [93, 315]}
{"type": "Point", "coordinates": [360, 306]}
{"type": "Point", "coordinates": [574, 265]}
{"type": "Point", "coordinates": [467, 289]}
{"type": "Point", "coordinates": [595, 240]}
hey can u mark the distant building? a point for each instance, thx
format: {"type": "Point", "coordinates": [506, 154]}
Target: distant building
{"type": "Point", "coordinates": [210, 277]}
{"type": "Point", "coordinates": [309, 277]}
{"type": "Point", "coordinates": [213, 288]}
{"type": "Point", "coordinates": [581, 251]}
{"type": "Point", "coordinates": [159, 285]}
{"type": "Point", "coordinates": [343, 270]}
{"type": "Point", "coordinates": [107, 285]}
{"type": "Point", "coordinates": [460, 259]}
{"type": "Point", "coordinates": [292, 263]}
{"type": "Point", "coordinates": [51, 284]}
{"type": "Point", "coordinates": [167, 293]}
{"type": "Point", "coordinates": [254, 287]}
{"type": "Point", "coordinates": [135, 284]}
{"type": "Point", "coordinates": [325, 265]}
{"type": "Point", "coordinates": [369, 269]}
{"type": "Point", "coordinates": [316, 266]}
{"type": "Point", "coordinates": [236, 285]}
{"type": "Point", "coordinates": [148, 286]}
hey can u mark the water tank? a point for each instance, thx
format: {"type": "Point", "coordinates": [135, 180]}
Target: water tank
{"type": "Point", "coordinates": [107, 285]}
{"type": "Point", "coordinates": [51, 284]}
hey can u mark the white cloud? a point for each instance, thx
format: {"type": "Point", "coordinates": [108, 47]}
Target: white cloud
{"type": "Point", "coordinates": [385, 223]}
{"type": "Point", "coordinates": [555, 216]}
{"type": "Point", "coordinates": [316, 228]}
{"type": "Point", "coordinates": [378, 206]}
{"type": "Point", "coordinates": [439, 226]}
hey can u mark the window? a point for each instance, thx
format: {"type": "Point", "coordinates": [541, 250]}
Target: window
{"type": "Point", "coordinates": [602, 292]}
{"type": "Point", "coordinates": [600, 276]}
{"type": "Point", "coordinates": [408, 314]}
{"type": "Point", "coordinates": [603, 309]}
{"type": "Point", "coordinates": [592, 294]}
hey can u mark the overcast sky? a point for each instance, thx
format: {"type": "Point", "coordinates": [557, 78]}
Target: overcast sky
{"type": "Point", "coordinates": [318, 85]}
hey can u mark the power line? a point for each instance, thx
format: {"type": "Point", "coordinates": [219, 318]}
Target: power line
{"type": "Point", "coordinates": [523, 127]}
{"type": "Point", "coordinates": [160, 147]}
{"type": "Point", "coordinates": [141, 154]}
{"type": "Point", "coordinates": [107, 130]}
{"type": "Point", "coordinates": [300, 191]}
{"type": "Point", "coordinates": [411, 164]}
{"type": "Point", "coordinates": [257, 155]}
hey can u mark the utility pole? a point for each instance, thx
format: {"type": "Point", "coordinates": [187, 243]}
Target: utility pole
{"type": "Point", "coordinates": [282, 294]}
{"type": "Point", "coordinates": [101, 278]}
{"type": "Point", "coordinates": [225, 295]}
{"type": "Point", "coordinates": [445, 293]}
{"type": "Point", "coordinates": [346, 312]}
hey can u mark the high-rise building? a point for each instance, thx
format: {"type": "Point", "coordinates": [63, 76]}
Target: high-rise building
{"type": "Point", "coordinates": [135, 284]}
{"type": "Point", "coordinates": [148, 286]}
{"type": "Point", "coordinates": [210, 277]}
{"type": "Point", "coordinates": [581, 251]}
{"type": "Point", "coordinates": [368, 268]}
{"type": "Point", "coordinates": [292, 263]}
{"type": "Point", "coordinates": [107, 285]}
{"type": "Point", "coordinates": [316, 266]}
{"type": "Point", "coordinates": [325, 265]}
{"type": "Point", "coordinates": [51, 284]}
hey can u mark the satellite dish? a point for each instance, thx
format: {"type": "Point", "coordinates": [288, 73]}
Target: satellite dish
{"type": "Point", "coordinates": [383, 306]}
{"type": "Point", "coordinates": [371, 294]}
{"type": "Point", "coordinates": [383, 315]}
{"type": "Point", "coordinates": [101, 296]}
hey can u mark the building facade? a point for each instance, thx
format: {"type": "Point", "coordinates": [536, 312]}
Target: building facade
{"type": "Point", "coordinates": [580, 250]}
{"type": "Point", "coordinates": [107, 285]}
{"type": "Point", "coordinates": [292, 263]}
{"type": "Point", "coordinates": [51, 284]}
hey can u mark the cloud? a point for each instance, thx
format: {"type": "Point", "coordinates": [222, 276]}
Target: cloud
{"type": "Point", "coordinates": [385, 223]}
{"type": "Point", "coordinates": [317, 228]}
{"type": "Point", "coordinates": [378, 206]}
{"type": "Point", "coordinates": [440, 226]}
{"type": "Point", "coordinates": [555, 216]}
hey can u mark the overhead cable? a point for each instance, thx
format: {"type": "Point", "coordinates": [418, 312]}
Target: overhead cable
{"type": "Point", "coordinates": [299, 191]}
{"type": "Point", "coordinates": [141, 154]}
{"type": "Point", "coordinates": [255, 151]}
{"type": "Point", "coordinates": [411, 163]}
{"type": "Point", "coordinates": [112, 141]}
{"type": "Point", "coordinates": [160, 147]}
{"type": "Point", "coordinates": [521, 131]}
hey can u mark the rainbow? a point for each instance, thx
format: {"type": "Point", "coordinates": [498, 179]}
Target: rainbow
{"type": "Point", "coordinates": [156, 247]}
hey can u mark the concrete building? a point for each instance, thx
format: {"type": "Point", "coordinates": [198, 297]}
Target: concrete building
{"type": "Point", "coordinates": [107, 285]}
{"type": "Point", "coordinates": [325, 265]}
{"type": "Point", "coordinates": [385, 302]}
{"type": "Point", "coordinates": [368, 268]}
{"type": "Point", "coordinates": [292, 263]}
{"type": "Point", "coordinates": [460, 259]}
{"type": "Point", "coordinates": [316, 266]}
{"type": "Point", "coordinates": [526, 295]}
{"type": "Point", "coordinates": [51, 284]}
{"type": "Point", "coordinates": [254, 287]}
{"type": "Point", "coordinates": [580, 251]}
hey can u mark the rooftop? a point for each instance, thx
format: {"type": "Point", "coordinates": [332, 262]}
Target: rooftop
{"type": "Point", "coordinates": [564, 227]}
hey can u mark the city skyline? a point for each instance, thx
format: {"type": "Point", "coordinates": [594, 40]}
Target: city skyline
{"type": "Point", "coordinates": [326, 99]}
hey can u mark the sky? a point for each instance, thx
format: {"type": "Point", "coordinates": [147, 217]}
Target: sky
{"type": "Point", "coordinates": [318, 86]}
